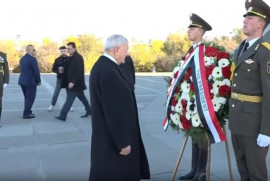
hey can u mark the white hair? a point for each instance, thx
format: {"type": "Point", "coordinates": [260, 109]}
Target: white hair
{"type": "Point", "coordinates": [267, 29]}
{"type": "Point", "coordinates": [115, 41]}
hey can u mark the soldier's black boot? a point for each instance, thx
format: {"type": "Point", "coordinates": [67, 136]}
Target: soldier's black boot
{"type": "Point", "coordinates": [202, 163]}
{"type": "Point", "coordinates": [200, 176]}
{"type": "Point", "coordinates": [195, 154]}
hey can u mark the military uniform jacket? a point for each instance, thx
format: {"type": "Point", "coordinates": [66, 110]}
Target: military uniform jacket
{"type": "Point", "coordinates": [4, 71]}
{"type": "Point", "coordinates": [251, 77]}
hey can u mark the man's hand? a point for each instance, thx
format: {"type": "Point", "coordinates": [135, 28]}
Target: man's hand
{"type": "Point", "coordinates": [5, 85]}
{"type": "Point", "coordinates": [263, 140]}
{"type": "Point", "coordinates": [70, 85]}
{"type": "Point", "coordinates": [39, 84]}
{"type": "Point", "coordinates": [125, 151]}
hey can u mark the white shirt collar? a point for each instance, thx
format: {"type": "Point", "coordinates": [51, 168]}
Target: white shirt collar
{"type": "Point", "coordinates": [196, 44]}
{"type": "Point", "coordinates": [251, 42]}
{"type": "Point", "coordinates": [110, 57]}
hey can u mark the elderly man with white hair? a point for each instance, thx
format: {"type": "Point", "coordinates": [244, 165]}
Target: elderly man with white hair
{"type": "Point", "coordinates": [117, 150]}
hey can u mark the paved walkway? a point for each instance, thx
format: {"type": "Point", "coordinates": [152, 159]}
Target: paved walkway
{"type": "Point", "coordinates": [45, 149]}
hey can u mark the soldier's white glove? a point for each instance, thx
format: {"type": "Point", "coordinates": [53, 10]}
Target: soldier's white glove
{"type": "Point", "coordinates": [5, 85]}
{"type": "Point", "coordinates": [263, 140]}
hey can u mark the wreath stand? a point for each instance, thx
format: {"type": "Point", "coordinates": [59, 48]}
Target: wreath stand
{"type": "Point", "coordinates": [209, 158]}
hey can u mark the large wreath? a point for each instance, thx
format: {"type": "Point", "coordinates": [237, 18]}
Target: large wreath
{"type": "Point", "coordinates": [183, 115]}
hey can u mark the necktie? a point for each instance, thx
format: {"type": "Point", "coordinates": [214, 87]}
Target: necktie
{"type": "Point", "coordinates": [245, 47]}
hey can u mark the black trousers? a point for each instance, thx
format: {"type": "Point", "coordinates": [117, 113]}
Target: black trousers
{"type": "Point", "coordinates": [250, 158]}
{"type": "Point", "coordinates": [29, 93]}
{"type": "Point", "coordinates": [71, 96]}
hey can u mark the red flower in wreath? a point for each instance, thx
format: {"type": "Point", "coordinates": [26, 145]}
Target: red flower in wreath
{"type": "Point", "coordinates": [221, 55]}
{"type": "Point", "coordinates": [186, 124]}
{"type": "Point", "coordinates": [184, 104]}
{"type": "Point", "coordinates": [192, 87]}
{"type": "Point", "coordinates": [224, 90]}
{"type": "Point", "coordinates": [210, 51]}
{"type": "Point", "coordinates": [176, 74]}
{"type": "Point", "coordinates": [174, 102]}
{"type": "Point", "coordinates": [226, 72]}
{"type": "Point", "coordinates": [209, 70]}
{"type": "Point", "coordinates": [177, 90]}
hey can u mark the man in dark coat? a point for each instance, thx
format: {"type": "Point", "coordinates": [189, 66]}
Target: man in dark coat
{"type": "Point", "coordinates": [117, 150]}
{"type": "Point", "coordinates": [129, 70]}
{"type": "Point", "coordinates": [74, 82]}
{"type": "Point", "coordinates": [29, 79]}
{"type": "Point", "coordinates": [4, 77]}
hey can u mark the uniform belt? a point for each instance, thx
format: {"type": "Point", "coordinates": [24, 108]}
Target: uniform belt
{"type": "Point", "coordinates": [246, 98]}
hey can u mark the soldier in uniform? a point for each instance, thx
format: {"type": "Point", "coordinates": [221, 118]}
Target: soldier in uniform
{"type": "Point", "coordinates": [197, 29]}
{"type": "Point", "coordinates": [250, 99]}
{"type": "Point", "coordinates": [4, 77]}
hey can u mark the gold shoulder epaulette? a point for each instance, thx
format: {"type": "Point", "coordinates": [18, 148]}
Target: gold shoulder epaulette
{"type": "Point", "coordinates": [266, 44]}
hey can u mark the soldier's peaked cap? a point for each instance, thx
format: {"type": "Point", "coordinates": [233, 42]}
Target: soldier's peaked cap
{"type": "Point", "coordinates": [197, 21]}
{"type": "Point", "coordinates": [258, 8]}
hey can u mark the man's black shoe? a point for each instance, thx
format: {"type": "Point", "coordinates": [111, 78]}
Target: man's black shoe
{"type": "Point", "coordinates": [29, 116]}
{"type": "Point", "coordinates": [86, 115]}
{"type": "Point", "coordinates": [59, 118]}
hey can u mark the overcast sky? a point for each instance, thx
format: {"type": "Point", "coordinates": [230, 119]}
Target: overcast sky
{"type": "Point", "coordinates": [139, 19]}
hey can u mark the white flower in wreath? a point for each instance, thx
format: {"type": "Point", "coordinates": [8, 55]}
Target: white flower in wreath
{"type": "Point", "coordinates": [216, 86]}
{"type": "Point", "coordinates": [217, 73]}
{"type": "Point", "coordinates": [208, 61]}
{"type": "Point", "coordinates": [216, 105]}
{"type": "Point", "coordinates": [226, 82]}
{"type": "Point", "coordinates": [185, 87]}
{"type": "Point", "coordinates": [196, 122]}
{"type": "Point", "coordinates": [178, 107]}
{"type": "Point", "coordinates": [189, 114]}
{"type": "Point", "coordinates": [219, 100]}
{"type": "Point", "coordinates": [223, 62]}
{"type": "Point", "coordinates": [176, 120]}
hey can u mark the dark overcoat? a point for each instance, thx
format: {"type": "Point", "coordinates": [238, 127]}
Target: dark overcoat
{"type": "Point", "coordinates": [129, 71]}
{"type": "Point", "coordinates": [74, 72]}
{"type": "Point", "coordinates": [115, 125]}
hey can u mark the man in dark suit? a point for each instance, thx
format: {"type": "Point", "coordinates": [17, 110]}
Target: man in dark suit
{"type": "Point", "coordinates": [4, 77]}
{"type": "Point", "coordinates": [129, 71]}
{"type": "Point", "coordinates": [74, 82]}
{"type": "Point", "coordinates": [117, 149]}
{"type": "Point", "coordinates": [250, 101]}
{"type": "Point", "coordinates": [29, 79]}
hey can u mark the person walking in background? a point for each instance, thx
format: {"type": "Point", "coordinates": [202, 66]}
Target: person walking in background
{"type": "Point", "coordinates": [117, 150]}
{"type": "Point", "coordinates": [4, 78]}
{"type": "Point", "coordinates": [29, 79]}
{"type": "Point", "coordinates": [74, 82]}
{"type": "Point", "coordinates": [129, 70]}
{"type": "Point", "coordinates": [58, 68]}
{"type": "Point", "coordinates": [250, 98]}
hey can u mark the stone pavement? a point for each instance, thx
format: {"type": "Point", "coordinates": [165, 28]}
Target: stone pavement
{"type": "Point", "coordinates": [45, 149]}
